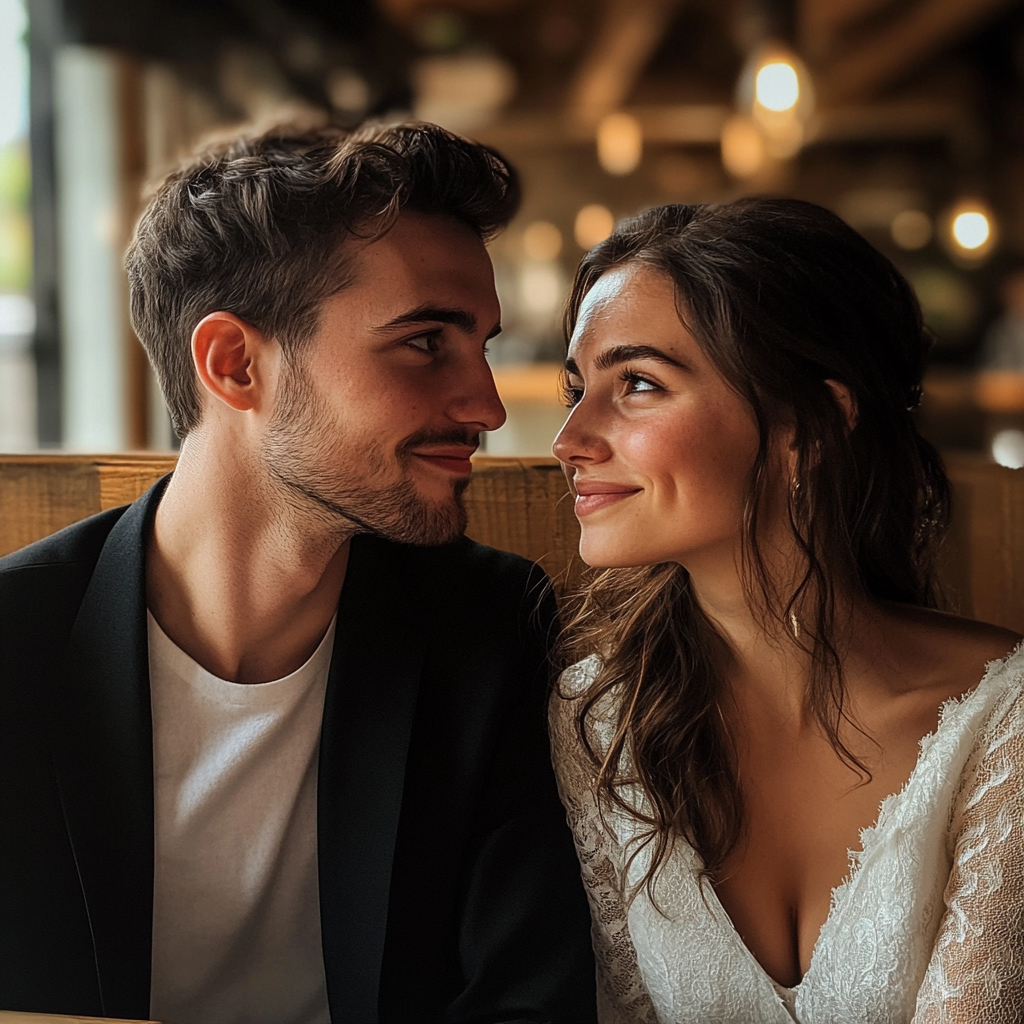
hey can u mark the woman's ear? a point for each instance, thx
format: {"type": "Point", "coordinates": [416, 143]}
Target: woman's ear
{"type": "Point", "coordinates": [844, 399]}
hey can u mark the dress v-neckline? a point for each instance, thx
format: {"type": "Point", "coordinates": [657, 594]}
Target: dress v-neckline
{"type": "Point", "coordinates": [868, 838]}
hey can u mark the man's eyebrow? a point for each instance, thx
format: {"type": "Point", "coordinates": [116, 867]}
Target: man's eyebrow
{"type": "Point", "coordinates": [460, 318]}
{"type": "Point", "coordinates": [623, 354]}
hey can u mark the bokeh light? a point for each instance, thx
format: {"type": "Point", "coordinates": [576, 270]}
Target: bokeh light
{"type": "Point", "coordinates": [540, 288]}
{"type": "Point", "coordinates": [620, 143]}
{"type": "Point", "coordinates": [971, 229]}
{"type": "Point", "coordinates": [743, 149]}
{"type": "Point", "coordinates": [542, 241]}
{"type": "Point", "coordinates": [594, 223]}
{"type": "Point", "coordinates": [777, 86]}
{"type": "Point", "coordinates": [911, 229]}
{"type": "Point", "coordinates": [1008, 448]}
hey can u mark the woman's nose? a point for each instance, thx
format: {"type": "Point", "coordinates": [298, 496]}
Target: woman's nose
{"type": "Point", "coordinates": [579, 440]}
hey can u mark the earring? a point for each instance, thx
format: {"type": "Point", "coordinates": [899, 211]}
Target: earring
{"type": "Point", "coordinates": [794, 625]}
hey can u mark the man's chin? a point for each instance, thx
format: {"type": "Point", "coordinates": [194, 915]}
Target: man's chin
{"type": "Point", "coordinates": [428, 523]}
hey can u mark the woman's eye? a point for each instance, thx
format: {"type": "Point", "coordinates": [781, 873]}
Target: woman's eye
{"type": "Point", "coordinates": [571, 395]}
{"type": "Point", "coordinates": [635, 383]}
{"type": "Point", "coordinates": [425, 342]}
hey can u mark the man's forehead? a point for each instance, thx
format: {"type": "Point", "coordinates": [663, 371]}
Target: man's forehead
{"type": "Point", "coordinates": [413, 236]}
{"type": "Point", "coordinates": [421, 250]}
{"type": "Point", "coordinates": [422, 262]}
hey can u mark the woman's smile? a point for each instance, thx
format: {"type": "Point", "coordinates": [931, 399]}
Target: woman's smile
{"type": "Point", "coordinates": [592, 495]}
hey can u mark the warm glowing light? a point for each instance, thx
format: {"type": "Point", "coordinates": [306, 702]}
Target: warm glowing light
{"type": "Point", "coordinates": [594, 224]}
{"type": "Point", "coordinates": [541, 288]}
{"type": "Point", "coordinates": [971, 229]}
{"type": "Point", "coordinates": [911, 229]}
{"type": "Point", "coordinates": [1008, 448]}
{"type": "Point", "coordinates": [777, 86]}
{"type": "Point", "coordinates": [620, 143]}
{"type": "Point", "coordinates": [542, 241]}
{"type": "Point", "coordinates": [775, 90]}
{"type": "Point", "coordinates": [742, 147]}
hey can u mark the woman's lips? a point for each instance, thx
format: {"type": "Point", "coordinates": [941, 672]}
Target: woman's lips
{"type": "Point", "coordinates": [593, 496]}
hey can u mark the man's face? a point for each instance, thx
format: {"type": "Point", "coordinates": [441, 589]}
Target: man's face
{"type": "Point", "coordinates": [377, 416]}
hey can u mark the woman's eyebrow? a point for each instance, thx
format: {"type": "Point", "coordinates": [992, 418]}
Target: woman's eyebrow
{"type": "Point", "coordinates": [624, 354]}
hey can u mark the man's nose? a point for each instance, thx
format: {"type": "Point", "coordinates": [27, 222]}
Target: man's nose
{"type": "Point", "coordinates": [477, 403]}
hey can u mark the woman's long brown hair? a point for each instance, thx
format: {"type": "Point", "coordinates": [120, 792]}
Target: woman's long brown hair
{"type": "Point", "coordinates": [782, 297]}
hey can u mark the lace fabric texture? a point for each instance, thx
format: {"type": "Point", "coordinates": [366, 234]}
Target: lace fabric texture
{"type": "Point", "coordinates": [927, 929]}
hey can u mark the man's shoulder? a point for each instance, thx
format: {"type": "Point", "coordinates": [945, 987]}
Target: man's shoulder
{"type": "Point", "coordinates": [68, 550]}
{"type": "Point", "coordinates": [42, 587]}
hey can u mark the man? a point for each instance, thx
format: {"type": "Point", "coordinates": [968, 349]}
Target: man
{"type": "Point", "coordinates": [272, 744]}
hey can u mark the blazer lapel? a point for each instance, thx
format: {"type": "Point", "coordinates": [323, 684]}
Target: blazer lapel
{"type": "Point", "coordinates": [103, 749]}
{"type": "Point", "coordinates": [368, 715]}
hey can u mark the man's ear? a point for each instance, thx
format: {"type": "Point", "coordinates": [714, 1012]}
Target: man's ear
{"type": "Point", "coordinates": [844, 399]}
{"type": "Point", "coordinates": [230, 358]}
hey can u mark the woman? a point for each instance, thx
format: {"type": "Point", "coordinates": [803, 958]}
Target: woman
{"type": "Point", "coordinates": [762, 666]}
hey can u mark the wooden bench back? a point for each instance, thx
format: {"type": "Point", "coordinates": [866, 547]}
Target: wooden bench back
{"type": "Point", "coordinates": [522, 505]}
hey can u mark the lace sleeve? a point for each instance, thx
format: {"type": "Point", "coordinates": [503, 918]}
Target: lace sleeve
{"type": "Point", "coordinates": [621, 996]}
{"type": "Point", "coordinates": [976, 971]}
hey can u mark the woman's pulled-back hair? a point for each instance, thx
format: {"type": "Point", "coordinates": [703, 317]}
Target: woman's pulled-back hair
{"type": "Point", "coordinates": [255, 225]}
{"type": "Point", "coordinates": [782, 297]}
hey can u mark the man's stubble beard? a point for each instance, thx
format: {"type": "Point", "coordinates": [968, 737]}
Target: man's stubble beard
{"type": "Point", "coordinates": [306, 452]}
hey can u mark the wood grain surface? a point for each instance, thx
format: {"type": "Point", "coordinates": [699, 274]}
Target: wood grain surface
{"type": "Point", "coordinates": [523, 505]}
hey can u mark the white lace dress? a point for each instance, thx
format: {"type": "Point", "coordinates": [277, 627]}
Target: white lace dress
{"type": "Point", "coordinates": [928, 928]}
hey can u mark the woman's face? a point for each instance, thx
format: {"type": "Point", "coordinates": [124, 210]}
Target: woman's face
{"type": "Point", "coordinates": [658, 448]}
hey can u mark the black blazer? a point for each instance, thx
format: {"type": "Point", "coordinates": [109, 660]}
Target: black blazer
{"type": "Point", "coordinates": [449, 890]}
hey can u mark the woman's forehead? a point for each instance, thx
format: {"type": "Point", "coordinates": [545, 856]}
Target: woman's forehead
{"type": "Point", "coordinates": [619, 289]}
{"type": "Point", "coordinates": [625, 300]}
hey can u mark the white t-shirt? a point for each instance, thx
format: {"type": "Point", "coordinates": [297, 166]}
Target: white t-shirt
{"type": "Point", "coordinates": [236, 909]}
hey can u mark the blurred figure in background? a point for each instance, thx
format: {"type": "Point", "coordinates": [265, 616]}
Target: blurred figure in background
{"type": "Point", "coordinates": [1004, 343]}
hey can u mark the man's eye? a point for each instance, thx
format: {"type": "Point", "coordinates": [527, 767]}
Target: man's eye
{"type": "Point", "coordinates": [426, 342]}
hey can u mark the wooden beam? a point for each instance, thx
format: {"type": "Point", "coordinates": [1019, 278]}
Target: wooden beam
{"type": "Point", "coordinates": [700, 124]}
{"type": "Point", "coordinates": [821, 23]}
{"type": "Point", "coordinates": [627, 35]}
{"type": "Point", "coordinates": [883, 59]}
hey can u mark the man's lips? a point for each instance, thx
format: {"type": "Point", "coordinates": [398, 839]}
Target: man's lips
{"type": "Point", "coordinates": [453, 458]}
{"type": "Point", "coordinates": [592, 495]}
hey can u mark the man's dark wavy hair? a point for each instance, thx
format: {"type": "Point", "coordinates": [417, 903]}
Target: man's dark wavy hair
{"type": "Point", "coordinates": [255, 225]}
{"type": "Point", "coordinates": [782, 297]}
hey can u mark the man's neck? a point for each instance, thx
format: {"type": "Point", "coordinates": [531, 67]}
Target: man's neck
{"type": "Point", "coordinates": [236, 575]}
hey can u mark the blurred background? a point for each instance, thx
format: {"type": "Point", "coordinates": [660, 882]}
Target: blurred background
{"type": "Point", "coordinates": [906, 117]}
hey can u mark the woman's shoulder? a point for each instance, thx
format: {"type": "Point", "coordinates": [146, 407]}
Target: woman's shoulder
{"type": "Point", "coordinates": [578, 678]}
{"type": "Point", "coordinates": [948, 656]}
{"type": "Point", "coordinates": [574, 687]}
